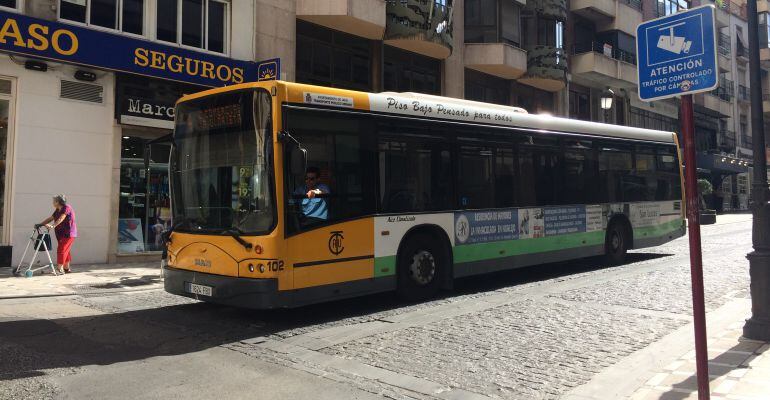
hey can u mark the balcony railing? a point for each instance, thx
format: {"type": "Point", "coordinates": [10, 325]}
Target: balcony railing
{"type": "Point", "coordinates": [724, 45]}
{"type": "Point", "coordinates": [746, 140]}
{"type": "Point", "coordinates": [743, 93]}
{"type": "Point", "coordinates": [609, 51]}
{"type": "Point", "coordinates": [726, 140]}
{"type": "Point", "coordinates": [637, 4]}
{"type": "Point", "coordinates": [725, 91]}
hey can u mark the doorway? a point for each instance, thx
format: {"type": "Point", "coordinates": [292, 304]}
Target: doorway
{"type": "Point", "coordinates": [7, 107]}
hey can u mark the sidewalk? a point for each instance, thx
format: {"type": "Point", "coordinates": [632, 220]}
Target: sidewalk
{"type": "Point", "coordinates": [739, 369]}
{"type": "Point", "coordinates": [97, 278]}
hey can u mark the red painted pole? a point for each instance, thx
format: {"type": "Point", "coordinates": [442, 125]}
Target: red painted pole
{"type": "Point", "coordinates": [696, 262]}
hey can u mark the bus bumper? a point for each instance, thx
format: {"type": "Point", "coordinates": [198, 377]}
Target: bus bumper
{"type": "Point", "coordinates": [227, 290]}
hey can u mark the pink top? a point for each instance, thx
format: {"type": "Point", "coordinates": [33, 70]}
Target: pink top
{"type": "Point", "coordinates": [68, 228]}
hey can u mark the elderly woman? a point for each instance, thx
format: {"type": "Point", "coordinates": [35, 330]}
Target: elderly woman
{"type": "Point", "coordinates": [63, 223]}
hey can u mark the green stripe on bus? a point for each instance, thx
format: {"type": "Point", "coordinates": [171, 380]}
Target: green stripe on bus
{"type": "Point", "coordinates": [657, 230]}
{"type": "Point", "coordinates": [384, 266]}
{"type": "Point", "coordinates": [507, 248]}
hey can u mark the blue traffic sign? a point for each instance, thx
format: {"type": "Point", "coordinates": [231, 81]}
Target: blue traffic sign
{"type": "Point", "coordinates": [676, 54]}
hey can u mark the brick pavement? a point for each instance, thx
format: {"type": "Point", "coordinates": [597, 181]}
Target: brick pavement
{"type": "Point", "coordinates": [739, 369]}
{"type": "Point", "coordinates": [96, 278]}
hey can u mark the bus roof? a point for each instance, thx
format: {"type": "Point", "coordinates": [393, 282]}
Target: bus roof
{"type": "Point", "coordinates": [444, 108]}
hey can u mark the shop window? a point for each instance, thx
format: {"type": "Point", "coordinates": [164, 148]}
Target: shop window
{"type": "Point", "coordinates": [199, 23]}
{"type": "Point", "coordinates": [330, 58]}
{"type": "Point", "coordinates": [743, 183]}
{"type": "Point", "coordinates": [9, 4]}
{"type": "Point", "coordinates": [144, 210]}
{"type": "Point", "coordinates": [123, 15]}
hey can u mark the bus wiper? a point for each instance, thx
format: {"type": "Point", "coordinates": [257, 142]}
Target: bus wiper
{"type": "Point", "coordinates": [236, 234]}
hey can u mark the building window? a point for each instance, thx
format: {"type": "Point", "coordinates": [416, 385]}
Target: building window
{"type": "Point", "coordinates": [646, 119]}
{"type": "Point", "coordinates": [579, 105]}
{"type": "Point", "coordinates": [122, 15]}
{"type": "Point", "coordinates": [764, 28]}
{"type": "Point", "coordinates": [198, 23]}
{"type": "Point", "coordinates": [330, 58]}
{"type": "Point", "coordinates": [486, 88]}
{"type": "Point", "coordinates": [743, 183]}
{"type": "Point", "coordinates": [410, 72]}
{"type": "Point", "coordinates": [550, 32]}
{"type": "Point", "coordinates": [668, 7]}
{"type": "Point", "coordinates": [9, 4]}
{"type": "Point", "coordinates": [486, 23]}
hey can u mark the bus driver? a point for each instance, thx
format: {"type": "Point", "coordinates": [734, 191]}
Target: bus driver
{"type": "Point", "coordinates": [314, 208]}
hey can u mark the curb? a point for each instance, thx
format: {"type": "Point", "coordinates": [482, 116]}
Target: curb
{"type": "Point", "coordinates": [106, 291]}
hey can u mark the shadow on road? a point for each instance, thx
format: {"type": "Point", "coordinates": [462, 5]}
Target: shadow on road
{"type": "Point", "coordinates": [104, 339]}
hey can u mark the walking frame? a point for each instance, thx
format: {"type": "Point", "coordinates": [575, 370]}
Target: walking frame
{"type": "Point", "coordinates": [36, 240]}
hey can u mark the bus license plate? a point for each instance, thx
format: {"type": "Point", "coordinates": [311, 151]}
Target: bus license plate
{"type": "Point", "coordinates": [199, 289]}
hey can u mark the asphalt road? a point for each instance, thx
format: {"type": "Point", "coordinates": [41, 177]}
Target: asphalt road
{"type": "Point", "coordinates": [532, 333]}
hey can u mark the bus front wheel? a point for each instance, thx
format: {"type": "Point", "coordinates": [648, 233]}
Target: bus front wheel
{"type": "Point", "coordinates": [616, 245]}
{"type": "Point", "coordinates": [421, 263]}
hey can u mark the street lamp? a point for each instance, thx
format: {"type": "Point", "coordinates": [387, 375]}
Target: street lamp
{"type": "Point", "coordinates": [758, 326]}
{"type": "Point", "coordinates": [606, 103]}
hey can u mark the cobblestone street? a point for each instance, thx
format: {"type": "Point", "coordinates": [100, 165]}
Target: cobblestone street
{"type": "Point", "coordinates": [540, 332]}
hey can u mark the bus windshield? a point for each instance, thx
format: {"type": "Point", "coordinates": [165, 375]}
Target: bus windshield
{"type": "Point", "coordinates": [221, 180]}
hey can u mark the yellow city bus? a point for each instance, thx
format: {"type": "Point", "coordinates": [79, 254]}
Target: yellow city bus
{"type": "Point", "coordinates": [410, 191]}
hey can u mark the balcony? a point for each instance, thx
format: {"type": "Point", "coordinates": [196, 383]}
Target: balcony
{"type": "Point", "coordinates": [763, 6]}
{"type": "Point", "coordinates": [722, 13]}
{"type": "Point", "coordinates": [594, 10]}
{"type": "Point", "coordinates": [743, 93]}
{"type": "Point", "coordinates": [725, 91]}
{"type": "Point", "coordinates": [546, 68]}
{"type": "Point", "coordinates": [746, 140]}
{"type": "Point", "coordinates": [627, 18]}
{"type": "Point", "coordinates": [723, 49]}
{"type": "Point", "coordinates": [604, 65]}
{"type": "Point", "coordinates": [498, 59]}
{"type": "Point", "coordinates": [419, 26]}
{"type": "Point", "coordinates": [365, 18]}
{"type": "Point", "coordinates": [726, 141]}
{"type": "Point", "coordinates": [556, 9]}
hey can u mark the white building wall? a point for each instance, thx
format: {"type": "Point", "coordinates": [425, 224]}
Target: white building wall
{"type": "Point", "coordinates": [61, 146]}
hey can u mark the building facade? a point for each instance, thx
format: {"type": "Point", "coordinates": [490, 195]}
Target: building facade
{"type": "Point", "coordinates": [85, 84]}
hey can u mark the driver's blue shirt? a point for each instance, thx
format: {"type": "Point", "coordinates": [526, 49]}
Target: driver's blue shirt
{"type": "Point", "coordinates": [316, 207]}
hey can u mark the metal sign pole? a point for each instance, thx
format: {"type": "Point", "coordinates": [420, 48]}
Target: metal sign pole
{"type": "Point", "coordinates": [696, 262]}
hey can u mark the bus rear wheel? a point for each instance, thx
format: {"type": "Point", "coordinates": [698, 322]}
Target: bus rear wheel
{"type": "Point", "coordinates": [421, 263]}
{"type": "Point", "coordinates": [616, 244]}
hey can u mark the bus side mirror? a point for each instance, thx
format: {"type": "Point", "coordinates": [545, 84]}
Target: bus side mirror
{"type": "Point", "coordinates": [298, 160]}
